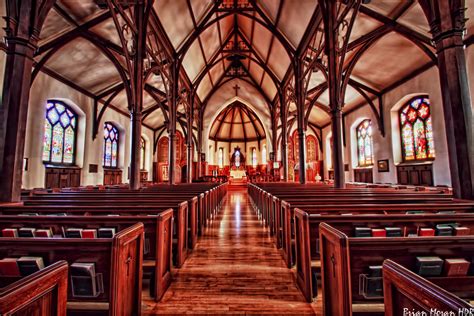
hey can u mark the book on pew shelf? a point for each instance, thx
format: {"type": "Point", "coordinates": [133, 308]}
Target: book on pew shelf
{"type": "Point", "coordinates": [393, 231]}
{"type": "Point", "coordinates": [363, 232]}
{"type": "Point", "coordinates": [47, 233]}
{"type": "Point", "coordinates": [429, 266]}
{"type": "Point", "coordinates": [26, 232]}
{"type": "Point", "coordinates": [30, 265]}
{"type": "Point", "coordinates": [89, 233]}
{"type": "Point", "coordinates": [57, 214]}
{"type": "Point", "coordinates": [9, 267]}
{"type": "Point", "coordinates": [444, 230]}
{"type": "Point", "coordinates": [113, 215]}
{"type": "Point", "coordinates": [29, 214]}
{"type": "Point", "coordinates": [446, 212]}
{"type": "Point", "coordinates": [10, 232]}
{"type": "Point", "coordinates": [456, 267]}
{"type": "Point", "coordinates": [83, 279]}
{"type": "Point", "coordinates": [106, 232]}
{"type": "Point", "coordinates": [415, 212]}
{"type": "Point", "coordinates": [73, 233]}
{"type": "Point", "coordinates": [412, 235]}
{"type": "Point", "coordinates": [425, 232]}
{"type": "Point", "coordinates": [379, 232]}
{"type": "Point", "coordinates": [462, 231]}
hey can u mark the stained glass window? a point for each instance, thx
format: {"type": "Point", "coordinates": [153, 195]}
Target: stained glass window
{"type": "Point", "coordinates": [111, 145]}
{"type": "Point", "coordinates": [417, 130]}
{"type": "Point", "coordinates": [254, 157]}
{"type": "Point", "coordinates": [142, 153]}
{"type": "Point", "coordinates": [264, 155]}
{"type": "Point", "coordinates": [59, 140]}
{"type": "Point", "coordinates": [364, 143]}
{"type": "Point", "coordinates": [221, 157]}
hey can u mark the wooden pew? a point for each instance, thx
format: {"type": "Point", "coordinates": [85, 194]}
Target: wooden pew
{"type": "Point", "coordinates": [157, 230]}
{"type": "Point", "coordinates": [180, 252]}
{"type": "Point", "coordinates": [307, 235]}
{"type": "Point", "coordinates": [43, 293]}
{"type": "Point", "coordinates": [405, 291]}
{"type": "Point", "coordinates": [119, 259]}
{"type": "Point", "coordinates": [345, 259]}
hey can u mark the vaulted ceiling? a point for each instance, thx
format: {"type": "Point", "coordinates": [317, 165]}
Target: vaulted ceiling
{"type": "Point", "coordinates": [79, 44]}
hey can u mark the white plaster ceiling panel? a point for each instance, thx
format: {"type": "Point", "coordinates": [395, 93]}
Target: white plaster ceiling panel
{"type": "Point", "coordinates": [296, 10]}
{"type": "Point", "coordinates": [352, 97]}
{"type": "Point", "coordinates": [121, 101]}
{"type": "Point", "coordinates": [387, 61]}
{"type": "Point", "coordinates": [200, 7]}
{"type": "Point", "coordinates": [255, 71]}
{"type": "Point", "coordinates": [316, 79]}
{"type": "Point", "coordinates": [261, 40]}
{"type": "Point", "coordinates": [193, 61]}
{"type": "Point", "coordinates": [415, 19]}
{"type": "Point", "coordinates": [470, 17]}
{"type": "Point", "coordinates": [385, 7]}
{"type": "Point", "coordinates": [279, 60]}
{"type": "Point", "coordinates": [176, 19]}
{"type": "Point", "coordinates": [269, 87]}
{"type": "Point", "coordinates": [292, 106]}
{"type": "Point", "coordinates": [53, 26]}
{"type": "Point", "coordinates": [210, 41]}
{"type": "Point", "coordinates": [81, 11]}
{"type": "Point", "coordinates": [204, 87]}
{"type": "Point", "coordinates": [318, 116]}
{"type": "Point", "coordinates": [216, 72]}
{"type": "Point", "coordinates": [245, 26]}
{"type": "Point", "coordinates": [155, 119]}
{"type": "Point", "coordinates": [363, 25]}
{"type": "Point", "coordinates": [270, 7]}
{"type": "Point", "coordinates": [148, 100]}
{"type": "Point", "coordinates": [92, 70]}
{"type": "Point", "coordinates": [157, 82]}
{"type": "Point", "coordinates": [108, 31]}
{"type": "Point", "coordinates": [226, 25]}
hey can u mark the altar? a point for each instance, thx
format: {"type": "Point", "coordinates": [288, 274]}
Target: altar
{"type": "Point", "coordinates": [238, 174]}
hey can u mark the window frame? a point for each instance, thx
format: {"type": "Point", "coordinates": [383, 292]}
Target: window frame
{"type": "Point", "coordinates": [76, 117]}
{"type": "Point", "coordinates": [118, 147]}
{"type": "Point", "coordinates": [400, 129]}
{"type": "Point", "coordinates": [371, 145]}
{"type": "Point", "coordinates": [254, 157]}
{"type": "Point", "coordinates": [142, 153]}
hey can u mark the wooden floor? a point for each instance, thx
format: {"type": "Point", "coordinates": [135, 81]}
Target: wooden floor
{"type": "Point", "coordinates": [235, 269]}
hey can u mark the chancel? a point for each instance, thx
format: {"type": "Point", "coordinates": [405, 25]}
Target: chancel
{"type": "Point", "coordinates": [236, 157]}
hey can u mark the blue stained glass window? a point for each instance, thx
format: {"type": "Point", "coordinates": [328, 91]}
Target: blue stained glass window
{"type": "Point", "coordinates": [111, 145]}
{"type": "Point", "coordinates": [59, 139]}
{"type": "Point", "coordinates": [365, 144]}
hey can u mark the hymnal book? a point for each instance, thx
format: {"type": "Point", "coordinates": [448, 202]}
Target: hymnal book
{"type": "Point", "coordinates": [57, 214]}
{"type": "Point", "coordinates": [89, 233]}
{"type": "Point", "coordinates": [10, 232]}
{"type": "Point", "coordinates": [106, 232]}
{"type": "Point", "coordinates": [446, 212]}
{"type": "Point", "coordinates": [29, 214]}
{"type": "Point", "coordinates": [363, 232]}
{"type": "Point", "coordinates": [462, 231]}
{"type": "Point", "coordinates": [415, 212]}
{"type": "Point", "coordinates": [73, 233]}
{"type": "Point", "coordinates": [379, 232]}
{"type": "Point", "coordinates": [444, 230]}
{"type": "Point", "coordinates": [9, 267]}
{"type": "Point", "coordinates": [113, 215]}
{"type": "Point", "coordinates": [429, 266]}
{"type": "Point", "coordinates": [26, 232]}
{"type": "Point", "coordinates": [393, 231]}
{"type": "Point", "coordinates": [456, 267]}
{"type": "Point", "coordinates": [424, 232]}
{"type": "Point", "coordinates": [30, 265]}
{"type": "Point", "coordinates": [83, 279]}
{"type": "Point", "coordinates": [46, 233]}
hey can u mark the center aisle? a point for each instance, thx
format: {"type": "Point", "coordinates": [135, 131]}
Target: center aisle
{"type": "Point", "coordinates": [234, 269]}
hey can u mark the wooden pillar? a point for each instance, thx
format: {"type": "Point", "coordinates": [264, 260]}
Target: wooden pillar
{"type": "Point", "coordinates": [300, 107]}
{"type": "Point", "coordinates": [189, 142]}
{"type": "Point", "coordinates": [337, 160]}
{"type": "Point", "coordinates": [23, 24]}
{"type": "Point", "coordinates": [200, 172]}
{"type": "Point", "coordinates": [284, 140]}
{"type": "Point", "coordinates": [172, 124]}
{"type": "Point", "coordinates": [135, 157]}
{"type": "Point", "coordinates": [447, 21]}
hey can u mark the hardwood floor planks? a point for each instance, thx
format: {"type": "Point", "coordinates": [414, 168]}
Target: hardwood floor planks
{"type": "Point", "coordinates": [235, 269]}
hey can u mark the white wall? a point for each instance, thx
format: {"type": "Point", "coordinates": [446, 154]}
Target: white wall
{"type": "Point", "coordinates": [88, 151]}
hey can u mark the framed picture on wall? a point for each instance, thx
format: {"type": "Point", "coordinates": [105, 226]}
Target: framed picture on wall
{"type": "Point", "coordinates": [203, 157]}
{"type": "Point", "coordinates": [383, 165]}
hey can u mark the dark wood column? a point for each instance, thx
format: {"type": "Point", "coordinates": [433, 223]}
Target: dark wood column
{"type": "Point", "coordinates": [135, 149]}
{"type": "Point", "coordinates": [189, 141]}
{"type": "Point", "coordinates": [447, 21]}
{"type": "Point", "coordinates": [23, 24]}
{"type": "Point", "coordinates": [284, 140]}
{"type": "Point", "coordinates": [337, 145]}
{"type": "Point", "coordinates": [172, 123]}
{"type": "Point", "coordinates": [300, 112]}
{"type": "Point", "coordinates": [199, 146]}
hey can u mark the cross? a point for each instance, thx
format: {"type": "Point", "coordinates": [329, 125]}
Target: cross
{"type": "Point", "coordinates": [333, 260]}
{"type": "Point", "coordinates": [236, 88]}
{"type": "Point", "coordinates": [127, 262]}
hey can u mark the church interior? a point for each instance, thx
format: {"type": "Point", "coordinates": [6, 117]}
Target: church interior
{"type": "Point", "coordinates": [236, 157]}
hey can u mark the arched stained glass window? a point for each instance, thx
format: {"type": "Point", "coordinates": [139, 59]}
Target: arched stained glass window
{"type": "Point", "coordinates": [237, 158]}
{"type": "Point", "coordinates": [416, 130]}
{"type": "Point", "coordinates": [220, 158]}
{"type": "Point", "coordinates": [60, 129]}
{"type": "Point", "coordinates": [111, 145]}
{"type": "Point", "coordinates": [365, 144]}
{"type": "Point", "coordinates": [142, 153]}
{"type": "Point", "coordinates": [264, 154]}
{"type": "Point", "coordinates": [254, 157]}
